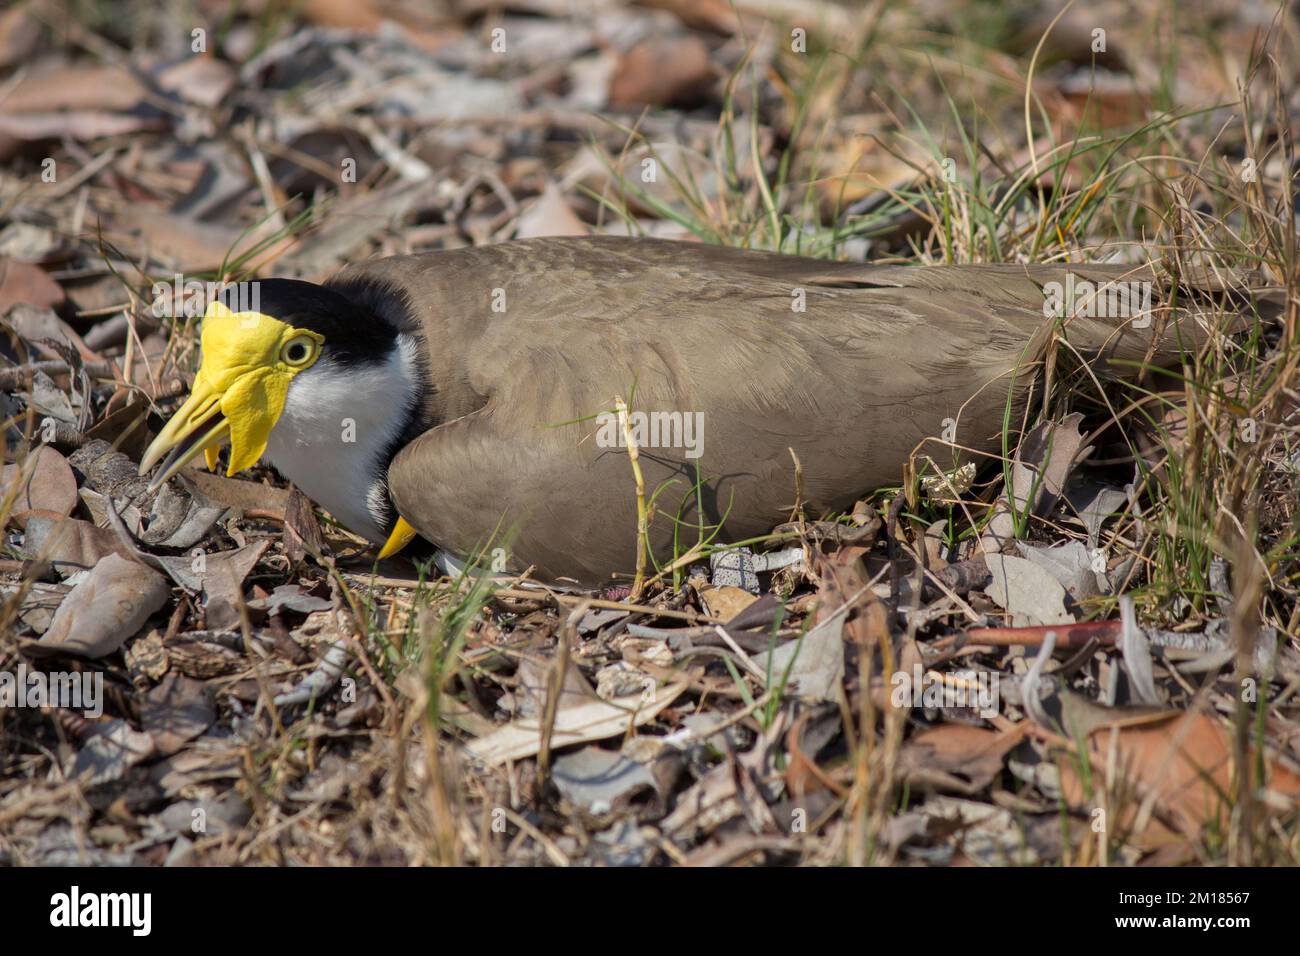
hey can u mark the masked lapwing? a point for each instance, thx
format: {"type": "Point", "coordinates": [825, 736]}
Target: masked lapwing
{"type": "Point", "coordinates": [469, 395]}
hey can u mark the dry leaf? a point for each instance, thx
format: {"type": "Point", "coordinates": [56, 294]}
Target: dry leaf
{"type": "Point", "coordinates": [301, 531]}
{"type": "Point", "coordinates": [1044, 459]}
{"type": "Point", "coordinates": [34, 324]}
{"type": "Point", "coordinates": [201, 80]}
{"type": "Point", "coordinates": [957, 757]}
{"type": "Point", "coordinates": [1183, 762]}
{"type": "Point", "coordinates": [220, 576]}
{"type": "Point", "coordinates": [1070, 563]}
{"type": "Point", "coordinates": [241, 494]}
{"type": "Point", "coordinates": [43, 482]}
{"type": "Point", "coordinates": [1027, 592]}
{"type": "Point", "coordinates": [20, 32]}
{"type": "Point", "coordinates": [726, 601]}
{"type": "Point", "coordinates": [52, 86]}
{"type": "Point", "coordinates": [549, 215]}
{"type": "Point", "coordinates": [108, 606]}
{"type": "Point", "coordinates": [600, 781]}
{"type": "Point", "coordinates": [175, 712]}
{"type": "Point", "coordinates": [26, 282]}
{"type": "Point", "coordinates": [813, 665]}
{"type": "Point", "coordinates": [662, 71]}
{"type": "Point", "coordinates": [593, 720]}
{"type": "Point", "coordinates": [69, 544]}
{"type": "Point", "coordinates": [109, 754]}
{"type": "Point", "coordinates": [78, 124]}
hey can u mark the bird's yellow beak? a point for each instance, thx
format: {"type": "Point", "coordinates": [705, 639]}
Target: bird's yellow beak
{"type": "Point", "coordinates": [239, 391]}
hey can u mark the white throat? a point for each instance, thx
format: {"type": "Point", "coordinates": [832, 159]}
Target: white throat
{"type": "Point", "coordinates": [338, 423]}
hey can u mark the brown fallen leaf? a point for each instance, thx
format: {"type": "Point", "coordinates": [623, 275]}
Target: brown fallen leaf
{"type": "Point", "coordinates": [957, 757]}
{"type": "Point", "coordinates": [184, 242]}
{"type": "Point", "coordinates": [206, 760]}
{"type": "Point", "coordinates": [26, 282]}
{"type": "Point", "coordinates": [534, 676]}
{"type": "Point", "coordinates": [844, 579]}
{"type": "Point", "coordinates": [859, 166]}
{"type": "Point", "coordinates": [727, 791]}
{"type": "Point", "coordinates": [51, 86]}
{"type": "Point", "coordinates": [725, 602]}
{"type": "Point", "coordinates": [602, 783]}
{"type": "Point", "coordinates": [39, 602]}
{"type": "Point", "coordinates": [1182, 762]}
{"type": "Point", "coordinates": [110, 753]}
{"type": "Point", "coordinates": [179, 519]}
{"type": "Point", "coordinates": [35, 324]}
{"type": "Point", "coordinates": [43, 482]}
{"type": "Point", "coordinates": [1028, 593]}
{"type": "Point", "coordinates": [175, 712]}
{"type": "Point", "coordinates": [1099, 99]}
{"type": "Point", "coordinates": [593, 720]}
{"type": "Point", "coordinates": [811, 666]}
{"type": "Point", "coordinates": [241, 494]}
{"type": "Point", "coordinates": [301, 530]}
{"type": "Point", "coordinates": [549, 215]}
{"type": "Point", "coordinates": [110, 605]}
{"type": "Point", "coordinates": [663, 71]}
{"type": "Point", "coordinates": [20, 33]}
{"type": "Point", "coordinates": [717, 16]}
{"type": "Point", "coordinates": [808, 734]}
{"type": "Point", "coordinates": [420, 23]}
{"type": "Point", "coordinates": [1043, 462]}
{"type": "Point", "coordinates": [69, 544]}
{"type": "Point", "coordinates": [202, 80]}
{"type": "Point", "coordinates": [126, 429]}
{"type": "Point", "coordinates": [219, 576]}
{"type": "Point", "coordinates": [75, 124]}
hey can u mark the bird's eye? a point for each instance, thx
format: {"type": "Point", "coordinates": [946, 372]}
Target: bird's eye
{"type": "Point", "coordinates": [299, 350]}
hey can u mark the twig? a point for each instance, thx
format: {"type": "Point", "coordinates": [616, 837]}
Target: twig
{"type": "Point", "coordinates": [19, 374]}
{"type": "Point", "coordinates": [319, 681]}
{"type": "Point", "coordinates": [568, 600]}
{"type": "Point", "coordinates": [554, 852]}
{"type": "Point", "coordinates": [555, 687]}
{"type": "Point", "coordinates": [742, 656]}
{"type": "Point", "coordinates": [1029, 686]}
{"type": "Point", "coordinates": [642, 521]}
{"type": "Point", "coordinates": [1068, 636]}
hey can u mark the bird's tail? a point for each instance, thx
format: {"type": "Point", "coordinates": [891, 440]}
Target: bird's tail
{"type": "Point", "coordinates": [1119, 315]}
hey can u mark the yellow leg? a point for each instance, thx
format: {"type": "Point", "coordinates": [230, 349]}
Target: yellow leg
{"type": "Point", "coordinates": [400, 538]}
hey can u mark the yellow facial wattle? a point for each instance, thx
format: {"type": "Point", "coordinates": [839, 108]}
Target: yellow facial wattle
{"type": "Point", "coordinates": [239, 391]}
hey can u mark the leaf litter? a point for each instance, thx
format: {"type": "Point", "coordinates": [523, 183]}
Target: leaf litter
{"type": "Point", "coordinates": [956, 671]}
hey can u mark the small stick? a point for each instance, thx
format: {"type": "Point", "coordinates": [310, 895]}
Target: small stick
{"type": "Point", "coordinates": [559, 671]}
{"type": "Point", "coordinates": [568, 600]}
{"type": "Point", "coordinates": [14, 376]}
{"type": "Point", "coordinates": [642, 519]}
{"type": "Point", "coordinates": [1068, 636]}
{"type": "Point", "coordinates": [744, 658]}
{"type": "Point", "coordinates": [573, 600]}
{"type": "Point", "coordinates": [796, 511]}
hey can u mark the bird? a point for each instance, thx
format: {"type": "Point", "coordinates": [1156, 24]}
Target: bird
{"type": "Point", "coordinates": [484, 397]}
